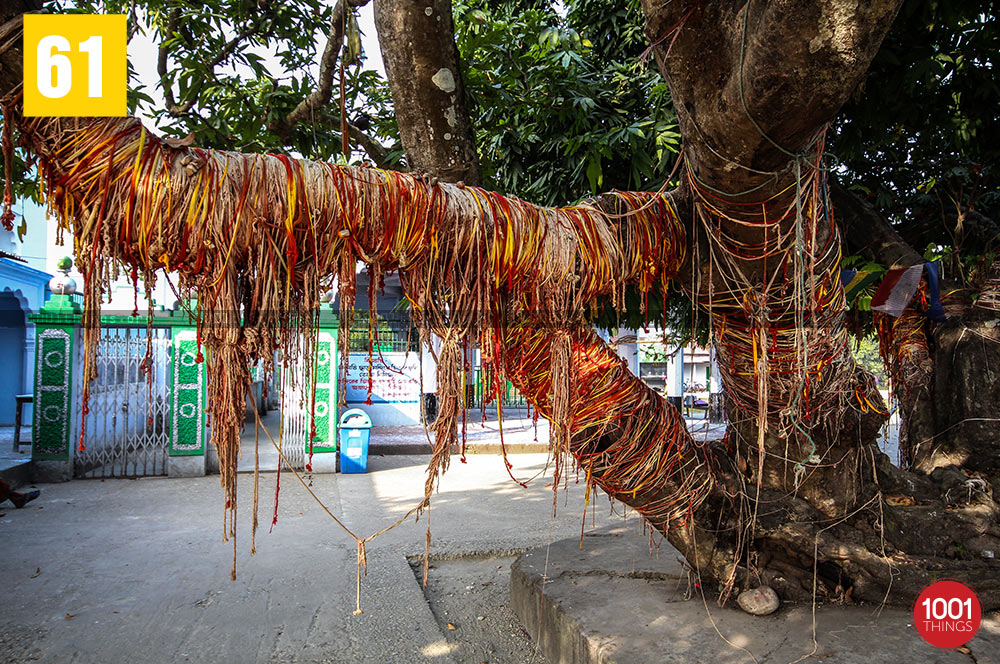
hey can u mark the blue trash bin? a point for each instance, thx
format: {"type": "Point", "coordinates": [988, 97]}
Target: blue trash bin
{"type": "Point", "coordinates": [355, 427]}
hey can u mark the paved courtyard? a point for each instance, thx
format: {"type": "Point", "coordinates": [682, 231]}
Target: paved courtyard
{"type": "Point", "coordinates": [136, 570]}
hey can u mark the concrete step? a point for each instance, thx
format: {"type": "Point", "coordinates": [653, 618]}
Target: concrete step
{"type": "Point", "coordinates": [15, 465]}
{"type": "Point", "coordinates": [16, 472]}
{"type": "Point", "coordinates": [615, 601]}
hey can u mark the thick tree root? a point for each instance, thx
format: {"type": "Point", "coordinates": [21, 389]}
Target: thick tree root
{"type": "Point", "coordinates": [887, 549]}
{"type": "Point", "coordinates": [904, 532]}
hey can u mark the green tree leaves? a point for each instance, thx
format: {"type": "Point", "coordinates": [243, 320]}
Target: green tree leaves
{"type": "Point", "coordinates": [921, 137]}
{"type": "Point", "coordinates": [562, 107]}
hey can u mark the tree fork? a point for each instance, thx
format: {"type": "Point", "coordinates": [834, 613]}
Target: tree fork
{"type": "Point", "coordinates": [754, 84]}
{"type": "Point", "coordinates": [784, 527]}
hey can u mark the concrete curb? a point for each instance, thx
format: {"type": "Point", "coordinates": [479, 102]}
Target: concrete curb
{"type": "Point", "coordinates": [17, 474]}
{"type": "Point", "coordinates": [400, 448]}
{"type": "Point", "coordinates": [613, 602]}
{"type": "Point", "coordinates": [556, 633]}
{"type": "Point", "coordinates": [543, 585]}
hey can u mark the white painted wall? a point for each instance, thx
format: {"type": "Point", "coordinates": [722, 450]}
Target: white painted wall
{"type": "Point", "coordinates": [630, 353]}
{"type": "Point", "coordinates": [675, 375]}
{"type": "Point", "coordinates": [32, 248]}
{"type": "Point", "coordinates": [25, 286]}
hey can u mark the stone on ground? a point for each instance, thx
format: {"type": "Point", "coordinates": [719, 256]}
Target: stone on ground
{"type": "Point", "coordinates": [615, 601]}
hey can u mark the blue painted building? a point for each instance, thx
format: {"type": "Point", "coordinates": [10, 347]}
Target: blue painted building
{"type": "Point", "coordinates": [23, 290]}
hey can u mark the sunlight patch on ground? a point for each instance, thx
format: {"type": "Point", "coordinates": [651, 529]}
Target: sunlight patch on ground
{"type": "Point", "coordinates": [439, 648]}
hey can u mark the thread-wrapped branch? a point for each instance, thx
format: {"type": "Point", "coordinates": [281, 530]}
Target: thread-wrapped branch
{"type": "Point", "coordinates": [258, 238]}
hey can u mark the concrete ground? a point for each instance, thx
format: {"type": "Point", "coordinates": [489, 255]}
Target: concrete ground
{"type": "Point", "coordinates": [472, 594]}
{"type": "Point", "coordinates": [135, 570]}
{"type": "Point", "coordinates": [622, 600]}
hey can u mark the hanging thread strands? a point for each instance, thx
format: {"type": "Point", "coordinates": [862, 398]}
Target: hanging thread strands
{"type": "Point", "coordinates": [904, 347]}
{"type": "Point", "coordinates": [775, 326]}
{"type": "Point", "coordinates": [257, 239]}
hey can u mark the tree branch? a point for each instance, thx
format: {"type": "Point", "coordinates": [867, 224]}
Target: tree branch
{"type": "Point", "coordinates": [11, 47]}
{"type": "Point", "coordinates": [421, 62]}
{"type": "Point", "coordinates": [868, 233]}
{"type": "Point", "coordinates": [970, 230]}
{"type": "Point", "coordinates": [309, 107]}
{"type": "Point", "coordinates": [378, 153]}
{"type": "Point", "coordinates": [163, 54]}
{"type": "Point", "coordinates": [173, 108]}
{"type": "Point", "coordinates": [375, 150]}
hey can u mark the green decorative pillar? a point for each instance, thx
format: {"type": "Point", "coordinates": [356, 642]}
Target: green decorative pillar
{"type": "Point", "coordinates": [187, 407]}
{"type": "Point", "coordinates": [57, 332]}
{"type": "Point", "coordinates": [324, 415]}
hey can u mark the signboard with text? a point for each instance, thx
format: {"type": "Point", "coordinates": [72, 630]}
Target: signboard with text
{"type": "Point", "coordinates": [395, 378]}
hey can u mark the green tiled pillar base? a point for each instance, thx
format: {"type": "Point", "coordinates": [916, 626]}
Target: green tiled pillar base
{"type": "Point", "coordinates": [324, 416]}
{"type": "Point", "coordinates": [187, 407]}
{"type": "Point", "coordinates": [187, 466]}
{"type": "Point", "coordinates": [325, 411]}
{"type": "Point", "coordinates": [51, 471]}
{"type": "Point", "coordinates": [56, 329]}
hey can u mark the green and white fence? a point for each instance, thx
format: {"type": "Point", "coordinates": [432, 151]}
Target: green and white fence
{"type": "Point", "coordinates": [147, 414]}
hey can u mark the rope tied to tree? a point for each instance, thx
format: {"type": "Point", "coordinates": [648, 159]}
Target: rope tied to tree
{"type": "Point", "coordinates": [257, 239]}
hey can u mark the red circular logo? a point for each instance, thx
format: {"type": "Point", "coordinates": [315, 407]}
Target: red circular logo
{"type": "Point", "coordinates": [947, 614]}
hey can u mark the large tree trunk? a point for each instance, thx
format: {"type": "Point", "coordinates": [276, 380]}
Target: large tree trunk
{"type": "Point", "coordinates": [421, 62]}
{"type": "Point", "coordinates": [754, 86]}
{"type": "Point", "coordinates": [798, 488]}
{"type": "Point", "coordinates": [965, 401]}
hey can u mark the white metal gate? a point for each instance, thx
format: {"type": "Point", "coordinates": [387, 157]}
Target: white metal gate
{"type": "Point", "coordinates": [126, 433]}
{"type": "Point", "coordinates": [294, 415]}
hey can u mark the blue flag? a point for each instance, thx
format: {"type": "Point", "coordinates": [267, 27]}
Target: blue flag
{"type": "Point", "coordinates": [936, 310]}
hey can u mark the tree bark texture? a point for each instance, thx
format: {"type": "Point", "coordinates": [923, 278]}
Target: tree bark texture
{"type": "Point", "coordinates": [964, 404]}
{"type": "Point", "coordinates": [11, 24]}
{"type": "Point", "coordinates": [421, 62]}
{"type": "Point", "coordinates": [754, 86]}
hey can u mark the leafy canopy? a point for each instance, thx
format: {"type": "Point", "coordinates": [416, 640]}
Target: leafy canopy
{"type": "Point", "coordinates": [563, 105]}
{"type": "Point", "coordinates": [921, 137]}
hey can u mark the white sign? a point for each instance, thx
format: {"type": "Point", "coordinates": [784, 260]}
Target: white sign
{"type": "Point", "coordinates": [395, 378]}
